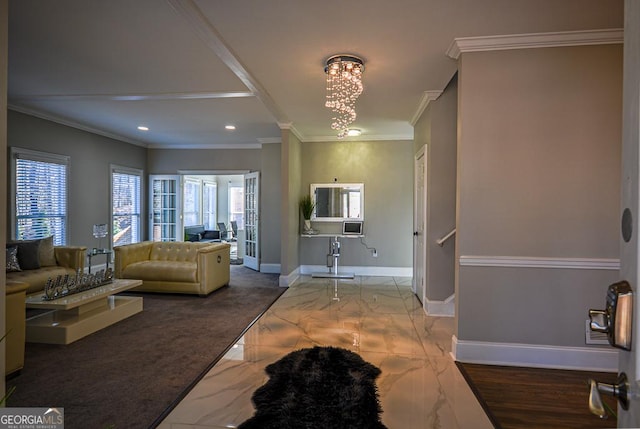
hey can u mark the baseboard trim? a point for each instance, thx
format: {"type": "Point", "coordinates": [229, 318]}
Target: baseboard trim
{"type": "Point", "coordinates": [538, 262]}
{"type": "Point", "coordinates": [536, 356]}
{"type": "Point", "coordinates": [289, 279]}
{"type": "Point", "coordinates": [446, 308]}
{"type": "Point", "coordinates": [270, 268]}
{"type": "Point", "coordinates": [361, 271]}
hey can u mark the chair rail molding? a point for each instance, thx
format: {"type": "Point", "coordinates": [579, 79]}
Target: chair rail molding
{"type": "Point", "coordinates": [540, 262]}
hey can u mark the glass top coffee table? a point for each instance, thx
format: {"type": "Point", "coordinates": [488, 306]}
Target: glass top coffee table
{"type": "Point", "coordinates": [75, 316]}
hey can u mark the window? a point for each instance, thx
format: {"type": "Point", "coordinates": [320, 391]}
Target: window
{"type": "Point", "coordinates": [191, 209]}
{"type": "Point", "coordinates": [126, 192]}
{"type": "Point", "coordinates": [236, 205]}
{"type": "Point", "coordinates": [40, 188]}
{"type": "Point", "coordinates": [209, 199]}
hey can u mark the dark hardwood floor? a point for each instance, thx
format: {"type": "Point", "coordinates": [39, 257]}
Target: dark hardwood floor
{"type": "Point", "coordinates": [515, 397]}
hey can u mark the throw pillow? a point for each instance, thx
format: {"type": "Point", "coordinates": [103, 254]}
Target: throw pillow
{"type": "Point", "coordinates": [28, 254]}
{"type": "Point", "coordinates": [47, 255]}
{"type": "Point", "coordinates": [215, 235]}
{"type": "Point", "coordinates": [12, 259]}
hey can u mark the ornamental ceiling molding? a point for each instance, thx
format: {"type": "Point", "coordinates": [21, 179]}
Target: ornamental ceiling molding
{"type": "Point", "coordinates": [534, 40]}
{"type": "Point", "coordinates": [427, 97]}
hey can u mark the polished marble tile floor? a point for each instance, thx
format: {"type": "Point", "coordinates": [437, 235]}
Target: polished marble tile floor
{"type": "Point", "coordinates": [377, 317]}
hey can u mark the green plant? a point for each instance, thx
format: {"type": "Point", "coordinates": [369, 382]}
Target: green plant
{"type": "Point", "coordinates": [307, 206]}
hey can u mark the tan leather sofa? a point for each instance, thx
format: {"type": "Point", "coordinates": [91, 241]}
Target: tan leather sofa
{"type": "Point", "coordinates": [15, 326]}
{"type": "Point", "coordinates": [174, 267]}
{"type": "Point", "coordinates": [69, 259]}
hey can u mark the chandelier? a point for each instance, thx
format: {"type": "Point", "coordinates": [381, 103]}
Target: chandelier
{"type": "Point", "coordinates": [344, 86]}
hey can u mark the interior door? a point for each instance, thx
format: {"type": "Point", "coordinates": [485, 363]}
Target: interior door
{"type": "Point", "coordinates": [251, 257]}
{"type": "Point", "coordinates": [419, 220]}
{"type": "Point", "coordinates": [629, 362]}
{"type": "Point", "coordinates": [165, 214]}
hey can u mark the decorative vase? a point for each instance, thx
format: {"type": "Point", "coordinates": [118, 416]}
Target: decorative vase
{"type": "Point", "coordinates": [307, 225]}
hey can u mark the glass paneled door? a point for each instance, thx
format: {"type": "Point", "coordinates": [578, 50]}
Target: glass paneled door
{"type": "Point", "coordinates": [166, 206]}
{"type": "Point", "coordinates": [251, 257]}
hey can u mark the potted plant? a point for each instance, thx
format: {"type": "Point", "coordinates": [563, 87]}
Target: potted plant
{"type": "Point", "coordinates": [306, 209]}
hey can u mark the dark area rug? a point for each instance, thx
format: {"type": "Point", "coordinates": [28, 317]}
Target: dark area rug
{"type": "Point", "coordinates": [516, 397]}
{"type": "Point", "coordinates": [130, 374]}
{"type": "Point", "coordinates": [318, 388]}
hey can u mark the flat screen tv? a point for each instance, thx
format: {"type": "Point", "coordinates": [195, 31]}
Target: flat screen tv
{"type": "Point", "coordinates": [352, 227]}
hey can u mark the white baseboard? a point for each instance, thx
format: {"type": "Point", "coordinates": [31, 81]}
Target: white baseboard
{"type": "Point", "coordinates": [446, 308]}
{"type": "Point", "coordinates": [536, 356]}
{"type": "Point", "coordinates": [361, 271]}
{"type": "Point", "coordinates": [288, 280]}
{"type": "Point", "coordinates": [270, 268]}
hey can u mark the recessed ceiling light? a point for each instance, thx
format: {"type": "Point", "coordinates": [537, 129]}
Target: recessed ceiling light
{"type": "Point", "coordinates": [143, 128]}
{"type": "Point", "coordinates": [230, 127]}
{"type": "Point", "coordinates": [353, 132]}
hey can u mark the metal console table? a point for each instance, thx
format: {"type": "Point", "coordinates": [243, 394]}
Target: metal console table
{"type": "Point", "coordinates": [333, 256]}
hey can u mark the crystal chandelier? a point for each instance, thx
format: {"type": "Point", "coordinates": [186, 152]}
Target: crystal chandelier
{"type": "Point", "coordinates": [344, 86]}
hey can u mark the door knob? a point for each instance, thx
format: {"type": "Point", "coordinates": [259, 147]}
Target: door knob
{"type": "Point", "coordinates": [618, 390]}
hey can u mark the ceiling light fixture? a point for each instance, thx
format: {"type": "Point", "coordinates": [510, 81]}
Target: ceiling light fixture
{"type": "Point", "coordinates": [344, 86]}
{"type": "Point", "coordinates": [143, 128]}
{"type": "Point", "coordinates": [354, 132]}
{"type": "Point", "coordinates": [229, 127]}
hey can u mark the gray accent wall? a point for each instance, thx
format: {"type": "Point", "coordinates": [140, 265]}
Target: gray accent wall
{"type": "Point", "coordinates": [91, 156]}
{"type": "Point", "coordinates": [4, 44]}
{"type": "Point", "coordinates": [436, 132]}
{"type": "Point", "coordinates": [270, 203]}
{"type": "Point", "coordinates": [291, 170]}
{"type": "Point", "coordinates": [538, 177]}
{"type": "Point", "coordinates": [386, 169]}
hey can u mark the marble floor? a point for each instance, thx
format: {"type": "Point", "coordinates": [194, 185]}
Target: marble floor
{"type": "Point", "coordinates": [377, 317]}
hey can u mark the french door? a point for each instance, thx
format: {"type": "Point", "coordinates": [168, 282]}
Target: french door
{"type": "Point", "coordinates": [165, 216]}
{"type": "Point", "coordinates": [251, 257]}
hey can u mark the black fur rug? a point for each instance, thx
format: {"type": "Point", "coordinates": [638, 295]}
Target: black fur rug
{"type": "Point", "coordinates": [318, 388]}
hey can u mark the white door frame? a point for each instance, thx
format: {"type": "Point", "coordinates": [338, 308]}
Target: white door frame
{"type": "Point", "coordinates": [419, 225]}
{"type": "Point", "coordinates": [251, 257]}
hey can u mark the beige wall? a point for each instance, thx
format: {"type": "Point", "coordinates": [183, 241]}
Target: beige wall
{"type": "Point", "coordinates": [436, 130]}
{"type": "Point", "coordinates": [538, 176]}
{"type": "Point", "coordinates": [386, 169]}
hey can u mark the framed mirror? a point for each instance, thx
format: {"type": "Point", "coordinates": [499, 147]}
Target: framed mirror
{"type": "Point", "coordinates": [337, 202]}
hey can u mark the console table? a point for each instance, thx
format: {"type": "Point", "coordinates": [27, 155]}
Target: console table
{"type": "Point", "coordinates": [333, 255]}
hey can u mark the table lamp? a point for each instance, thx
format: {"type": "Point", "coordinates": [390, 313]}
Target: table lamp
{"type": "Point", "coordinates": [100, 231]}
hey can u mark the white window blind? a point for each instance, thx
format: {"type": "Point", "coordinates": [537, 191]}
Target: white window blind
{"type": "Point", "coordinates": [126, 197]}
{"type": "Point", "coordinates": [40, 195]}
{"type": "Point", "coordinates": [191, 210]}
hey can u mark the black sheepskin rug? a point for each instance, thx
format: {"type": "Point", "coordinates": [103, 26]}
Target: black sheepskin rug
{"type": "Point", "coordinates": [318, 388]}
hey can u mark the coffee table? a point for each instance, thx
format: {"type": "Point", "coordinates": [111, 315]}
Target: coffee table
{"type": "Point", "coordinates": [78, 315]}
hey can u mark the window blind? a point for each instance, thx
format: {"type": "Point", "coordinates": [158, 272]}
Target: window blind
{"type": "Point", "coordinates": [41, 199]}
{"type": "Point", "coordinates": [126, 190]}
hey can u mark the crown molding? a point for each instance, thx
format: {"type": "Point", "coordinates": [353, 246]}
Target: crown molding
{"type": "Point", "coordinates": [269, 140]}
{"type": "Point", "coordinates": [136, 97]}
{"type": "Point", "coordinates": [72, 124]}
{"type": "Point", "coordinates": [178, 146]}
{"type": "Point", "coordinates": [362, 138]}
{"type": "Point", "coordinates": [427, 97]}
{"type": "Point", "coordinates": [534, 40]}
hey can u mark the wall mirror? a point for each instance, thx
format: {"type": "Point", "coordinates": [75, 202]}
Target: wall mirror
{"type": "Point", "coordinates": [338, 201]}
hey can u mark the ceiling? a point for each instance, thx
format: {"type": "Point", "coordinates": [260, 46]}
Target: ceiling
{"type": "Point", "coordinates": [187, 68]}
